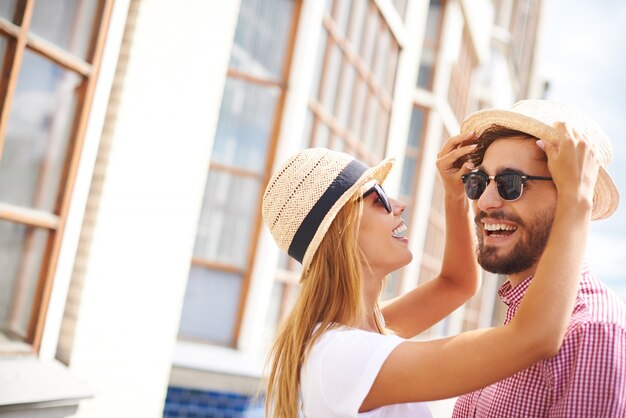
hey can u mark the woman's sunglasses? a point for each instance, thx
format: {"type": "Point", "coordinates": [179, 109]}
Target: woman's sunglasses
{"type": "Point", "coordinates": [382, 196]}
{"type": "Point", "coordinates": [510, 185]}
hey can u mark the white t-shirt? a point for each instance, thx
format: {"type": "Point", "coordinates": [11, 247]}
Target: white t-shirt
{"type": "Point", "coordinates": [340, 370]}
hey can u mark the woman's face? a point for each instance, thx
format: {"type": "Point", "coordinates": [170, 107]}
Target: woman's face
{"type": "Point", "coordinates": [381, 235]}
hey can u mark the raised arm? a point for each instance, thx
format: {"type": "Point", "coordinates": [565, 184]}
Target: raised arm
{"type": "Point", "coordinates": [417, 371]}
{"type": "Point", "coordinates": [419, 309]}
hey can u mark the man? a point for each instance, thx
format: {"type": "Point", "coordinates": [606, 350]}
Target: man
{"type": "Point", "coordinates": [514, 201]}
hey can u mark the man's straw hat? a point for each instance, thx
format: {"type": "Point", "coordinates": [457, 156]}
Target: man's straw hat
{"type": "Point", "coordinates": [305, 194]}
{"type": "Point", "coordinates": [537, 118]}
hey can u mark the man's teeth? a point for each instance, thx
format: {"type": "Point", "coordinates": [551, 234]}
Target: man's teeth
{"type": "Point", "coordinates": [398, 230]}
{"type": "Point", "coordinates": [499, 227]}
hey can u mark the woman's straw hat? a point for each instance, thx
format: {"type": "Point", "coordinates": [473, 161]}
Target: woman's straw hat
{"type": "Point", "coordinates": [305, 194]}
{"type": "Point", "coordinates": [537, 118]}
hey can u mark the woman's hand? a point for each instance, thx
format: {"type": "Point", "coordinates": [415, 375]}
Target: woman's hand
{"type": "Point", "coordinates": [452, 164]}
{"type": "Point", "coordinates": [573, 166]}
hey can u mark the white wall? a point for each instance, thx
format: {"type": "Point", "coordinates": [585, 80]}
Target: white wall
{"type": "Point", "coordinates": [146, 197]}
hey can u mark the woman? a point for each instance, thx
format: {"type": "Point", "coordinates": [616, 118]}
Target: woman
{"type": "Point", "coordinates": [334, 356]}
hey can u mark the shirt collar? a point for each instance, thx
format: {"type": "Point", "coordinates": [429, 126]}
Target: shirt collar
{"type": "Point", "coordinates": [512, 296]}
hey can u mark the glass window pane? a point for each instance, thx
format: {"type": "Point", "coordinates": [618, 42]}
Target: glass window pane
{"type": "Point", "coordinates": [322, 132]}
{"type": "Point", "coordinates": [7, 9]}
{"type": "Point", "coordinates": [369, 38]}
{"type": "Point", "coordinates": [331, 77]}
{"type": "Point", "coordinates": [66, 23]}
{"type": "Point", "coordinates": [434, 20]}
{"type": "Point", "coordinates": [306, 132]}
{"type": "Point", "coordinates": [245, 125]}
{"type": "Point", "coordinates": [38, 134]}
{"type": "Point", "coordinates": [228, 212]}
{"type": "Point", "coordinates": [344, 101]}
{"type": "Point", "coordinates": [358, 21]}
{"type": "Point", "coordinates": [416, 128]}
{"type": "Point", "coordinates": [3, 48]}
{"type": "Point", "coordinates": [379, 59]}
{"type": "Point", "coordinates": [273, 313]}
{"type": "Point", "coordinates": [319, 62]}
{"type": "Point", "coordinates": [210, 306]}
{"type": "Point", "coordinates": [369, 125]}
{"type": "Point", "coordinates": [360, 96]}
{"type": "Point", "coordinates": [425, 74]}
{"type": "Point", "coordinates": [262, 36]}
{"type": "Point", "coordinates": [21, 252]}
{"type": "Point", "coordinates": [342, 15]}
{"type": "Point", "coordinates": [408, 175]}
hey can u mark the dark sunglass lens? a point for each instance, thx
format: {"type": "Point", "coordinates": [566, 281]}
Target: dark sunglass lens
{"type": "Point", "coordinates": [509, 186]}
{"type": "Point", "coordinates": [382, 196]}
{"type": "Point", "coordinates": [475, 185]}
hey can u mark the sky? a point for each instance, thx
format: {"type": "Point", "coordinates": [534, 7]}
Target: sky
{"type": "Point", "coordinates": [584, 59]}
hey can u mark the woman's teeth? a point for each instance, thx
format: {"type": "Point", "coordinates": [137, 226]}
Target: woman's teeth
{"type": "Point", "coordinates": [396, 232]}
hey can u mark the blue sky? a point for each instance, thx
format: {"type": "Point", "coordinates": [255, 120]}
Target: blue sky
{"type": "Point", "coordinates": [584, 59]}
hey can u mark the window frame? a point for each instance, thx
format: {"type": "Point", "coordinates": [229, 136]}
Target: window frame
{"type": "Point", "coordinates": [262, 176]}
{"type": "Point", "coordinates": [19, 40]}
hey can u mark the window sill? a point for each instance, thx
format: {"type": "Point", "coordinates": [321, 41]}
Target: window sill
{"type": "Point", "coordinates": [31, 387]}
{"type": "Point", "coordinates": [212, 358]}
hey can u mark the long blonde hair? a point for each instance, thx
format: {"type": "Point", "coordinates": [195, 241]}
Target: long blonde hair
{"type": "Point", "coordinates": [330, 295]}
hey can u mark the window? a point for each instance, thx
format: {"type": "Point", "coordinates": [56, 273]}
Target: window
{"type": "Point", "coordinates": [284, 292]}
{"type": "Point", "coordinates": [242, 152]}
{"type": "Point", "coordinates": [408, 183]}
{"type": "Point", "coordinates": [461, 78]}
{"type": "Point", "coordinates": [524, 22]}
{"type": "Point", "coordinates": [431, 45]}
{"type": "Point", "coordinates": [434, 241]}
{"type": "Point", "coordinates": [50, 56]}
{"type": "Point", "coordinates": [354, 79]}
{"type": "Point", "coordinates": [350, 105]}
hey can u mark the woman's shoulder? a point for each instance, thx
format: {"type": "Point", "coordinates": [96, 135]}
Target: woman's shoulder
{"type": "Point", "coordinates": [341, 340]}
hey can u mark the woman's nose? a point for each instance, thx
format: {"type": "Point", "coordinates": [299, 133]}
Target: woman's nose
{"type": "Point", "coordinates": [398, 206]}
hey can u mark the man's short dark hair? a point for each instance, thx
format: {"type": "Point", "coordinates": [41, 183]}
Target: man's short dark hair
{"type": "Point", "coordinates": [488, 136]}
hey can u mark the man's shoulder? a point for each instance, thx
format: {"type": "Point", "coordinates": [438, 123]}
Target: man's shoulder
{"type": "Point", "coordinates": [592, 321]}
{"type": "Point", "coordinates": [597, 305]}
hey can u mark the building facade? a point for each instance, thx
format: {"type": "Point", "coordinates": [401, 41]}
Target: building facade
{"type": "Point", "coordinates": [136, 138]}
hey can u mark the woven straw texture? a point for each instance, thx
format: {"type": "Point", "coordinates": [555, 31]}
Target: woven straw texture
{"type": "Point", "coordinates": [297, 186]}
{"type": "Point", "coordinates": [538, 118]}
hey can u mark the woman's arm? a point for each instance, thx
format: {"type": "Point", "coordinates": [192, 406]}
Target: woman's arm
{"type": "Point", "coordinates": [418, 371]}
{"type": "Point", "coordinates": [459, 279]}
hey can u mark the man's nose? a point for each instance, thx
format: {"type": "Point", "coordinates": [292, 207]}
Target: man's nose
{"type": "Point", "coordinates": [490, 199]}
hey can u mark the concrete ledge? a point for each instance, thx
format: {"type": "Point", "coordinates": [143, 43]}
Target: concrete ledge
{"type": "Point", "coordinates": [31, 388]}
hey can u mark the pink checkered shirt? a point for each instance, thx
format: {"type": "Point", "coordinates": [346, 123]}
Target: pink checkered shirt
{"type": "Point", "coordinates": [587, 378]}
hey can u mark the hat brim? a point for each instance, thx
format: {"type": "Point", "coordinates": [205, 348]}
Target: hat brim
{"type": "Point", "coordinates": [379, 173]}
{"type": "Point", "coordinates": [606, 194]}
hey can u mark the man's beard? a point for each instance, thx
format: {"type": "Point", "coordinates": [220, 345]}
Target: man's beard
{"type": "Point", "coordinates": [527, 250]}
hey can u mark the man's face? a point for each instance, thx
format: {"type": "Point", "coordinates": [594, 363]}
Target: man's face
{"type": "Point", "coordinates": [513, 234]}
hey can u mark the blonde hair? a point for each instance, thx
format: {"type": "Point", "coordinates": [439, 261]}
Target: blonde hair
{"type": "Point", "coordinates": [331, 296]}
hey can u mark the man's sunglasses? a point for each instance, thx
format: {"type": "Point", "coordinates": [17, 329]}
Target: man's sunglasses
{"type": "Point", "coordinates": [382, 196]}
{"type": "Point", "coordinates": [510, 185]}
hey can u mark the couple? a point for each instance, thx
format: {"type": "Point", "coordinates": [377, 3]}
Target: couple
{"type": "Point", "coordinates": [535, 177]}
